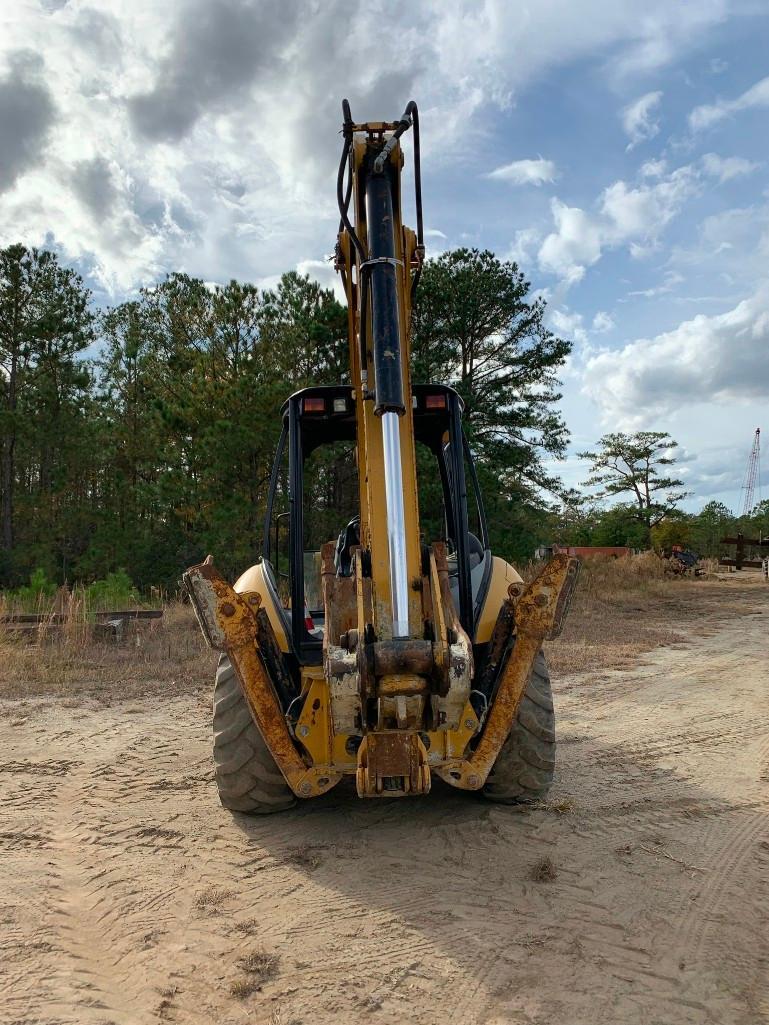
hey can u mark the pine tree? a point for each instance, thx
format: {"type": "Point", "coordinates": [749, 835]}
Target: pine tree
{"type": "Point", "coordinates": [45, 325]}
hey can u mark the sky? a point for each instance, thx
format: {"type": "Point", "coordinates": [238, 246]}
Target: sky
{"type": "Point", "coordinates": [617, 150]}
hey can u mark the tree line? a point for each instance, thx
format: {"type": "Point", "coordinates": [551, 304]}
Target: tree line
{"type": "Point", "coordinates": [639, 467]}
{"type": "Point", "coordinates": [141, 437]}
{"type": "Point", "coordinates": [580, 521]}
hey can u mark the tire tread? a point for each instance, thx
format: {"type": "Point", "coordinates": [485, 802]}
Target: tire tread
{"type": "Point", "coordinates": [524, 770]}
{"type": "Point", "coordinates": [247, 778]}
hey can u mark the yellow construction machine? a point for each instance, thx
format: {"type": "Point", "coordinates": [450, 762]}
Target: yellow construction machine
{"type": "Point", "coordinates": [382, 654]}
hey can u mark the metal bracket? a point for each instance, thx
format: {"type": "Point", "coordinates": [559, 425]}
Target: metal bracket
{"type": "Point", "coordinates": [392, 763]}
{"type": "Point", "coordinates": [536, 612]}
{"type": "Point", "coordinates": [228, 621]}
{"type": "Point", "coordinates": [382, 259]}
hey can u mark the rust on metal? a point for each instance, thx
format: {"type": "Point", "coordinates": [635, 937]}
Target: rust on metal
{"type": "Point", "coordinates": [535, 619]}
{"type": "Point", "coordinates": [339, 600]}
{"type": "Point", "coordinates": [401, 683]}
{"type": "Point", "coordinates": [402, 655]}
{"type": "Point", "coordinates": [364, 605]}
{"type": "Point", "coordinates": [565, 595]}
{"type": "Point", "coordinates": [392, 764]}
{"type": "Point", "coordinates": [499, 644]}
{"type": "Point", "coordinates": [236, 633]}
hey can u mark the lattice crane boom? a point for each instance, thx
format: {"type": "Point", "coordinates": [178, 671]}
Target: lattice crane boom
{"type": "Point", "coordinates": [752, 475]}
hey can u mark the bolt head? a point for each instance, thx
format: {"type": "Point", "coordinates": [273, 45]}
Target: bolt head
{"type": "Point", "coordinates": [303, 731]}
{"type": "Point", "coordinates": [541, 600]}
{"type": "Point", "coordinates": [473, 781]}
{"type": "Point", "coordinates": [469, 724]}
{"type": "Point", "coordinates": [305, 789]}
{"type": "Point", "coordinates": [228, 609]}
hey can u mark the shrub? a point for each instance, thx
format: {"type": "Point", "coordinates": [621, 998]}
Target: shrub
{"type": "Point", "coordinates": [114, 592]}
{"type": "Point", "coordinates": [39, 587]}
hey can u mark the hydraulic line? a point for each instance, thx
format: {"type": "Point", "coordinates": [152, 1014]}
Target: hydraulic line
{"type": "Point", "coordinates": [409, 119]}
{"type": "Point", "coordinates": [343, 200]}
{"type": "Point", "coordinates": [343, 196]}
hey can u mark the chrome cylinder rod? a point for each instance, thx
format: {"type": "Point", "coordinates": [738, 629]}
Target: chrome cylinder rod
{"type": "Point", "coordinates": [396, 524]}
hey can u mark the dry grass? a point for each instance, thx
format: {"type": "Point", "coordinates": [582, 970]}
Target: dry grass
{"type": "Point", "coordinates": [543, 870]}
{"type": "Point", "coordinates": [277, 1018]}
{"type": "Point", "coordinates": [211, 899]}
{"type": "Point", "coordinates": [307, 856]}
{"type": "Point", "coordinates": [260, 966]}
{"type": "Point", "coordinates": [242, 988]}
{"type": "Point", "coordinates": [260, 963]}
{"type": "Point", "coordinates": [248, 927]}
{"type": "Point", "coordinates": [74, 658]}
{"type": "Point", "coordinates": [565, 806]}
{"type": "Point", "coordinates": [624, 607]}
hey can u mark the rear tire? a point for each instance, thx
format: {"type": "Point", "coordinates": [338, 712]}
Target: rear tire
{"type": "Point", "coordinates": [247, 778]}
{"type": "Point", "coordinates": [524, 769]}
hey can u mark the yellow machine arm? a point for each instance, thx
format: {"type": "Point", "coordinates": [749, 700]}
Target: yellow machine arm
{"type": "Point", "coordinates": [380, 262]}
{"type": "Point", "coordinates": [396, 694]}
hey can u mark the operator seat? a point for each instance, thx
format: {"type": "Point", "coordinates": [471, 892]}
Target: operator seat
{"type": "Point", "coordinates": [348, 539]}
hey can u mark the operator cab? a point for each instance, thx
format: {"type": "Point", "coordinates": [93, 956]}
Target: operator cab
{"type": "Point", "coordinates": [314, 498]}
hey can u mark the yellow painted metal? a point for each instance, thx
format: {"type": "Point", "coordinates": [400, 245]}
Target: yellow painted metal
{"type": "Point", "coordinates": [228, 621]}
{"type": "Point", "coordinates": [314, 731]}
{"type": "Point", "coordinates": [502, 575]}
{"type": "Point", "coordinates": [314, 728]}
{"type": "Point", "coordinates": [373, 518]}
{"type": "Point", "coordinates": [254, 579]}
{"type": "Point", "coordinates": [448, 745]}
{"type": "Point", "coordinates": [535, 615]}
{"type": "Point", "coordinates": [401, 683]}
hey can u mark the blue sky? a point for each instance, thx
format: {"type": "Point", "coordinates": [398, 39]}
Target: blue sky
{"type": "Point", "coordinates": [617, 150]}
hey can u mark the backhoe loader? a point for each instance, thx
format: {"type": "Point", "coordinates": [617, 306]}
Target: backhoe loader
{"type": "Point", "coordinates": [380, 654]}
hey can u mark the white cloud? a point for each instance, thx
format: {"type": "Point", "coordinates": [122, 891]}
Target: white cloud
{"type": "Point", "coordinates": [671, 280]}
{"type": "Point", "coordinates": [323, 272]}
{"type": "Point", "coordinates": [568, 325]}
{"type": "Point", "coordinates": [731, 249]}
{"type": "Point", "coordinates": [711, 113]}
{"type": "Point", "coordinates": [575, 244]}
{"type": "Point", "coordinates": [718, 66]}
{"type": "Point", "coordinates": [602, 322]}
{"type": "Point", "coordinates": [653, 168]}
{"type": "Point", "coordinates": [726, 168]}
{"type": "Point", "coordinates": [522, 250]}
{"type": "Point", "coordinates": [719, 358]}
{"type": "Point", "coordinates": [174, 142]}
{"type": "Point", "coordinates": [525, 172]}
{"type": "Point", "coordinates": [627, 215]}
{"type": "Point", "coordinates": [638, 120]}
{"type": "Point", "coordinates": [641, 212]}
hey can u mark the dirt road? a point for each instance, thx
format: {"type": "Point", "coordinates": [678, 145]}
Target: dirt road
{"type": "Point", "coordinates": [127, 895]}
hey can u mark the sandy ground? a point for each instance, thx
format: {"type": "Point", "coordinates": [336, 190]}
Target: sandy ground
{"type": "Point", "coordinates": [127, 895]}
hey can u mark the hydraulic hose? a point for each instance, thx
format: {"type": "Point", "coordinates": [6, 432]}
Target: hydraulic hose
{"type": "Point", "coordinates": [409, 119]}
{"type": "Point", "coordinates": [412, 108]}
{"type": "Point", "coordinates": [344, 200]}
{"type": "Point", "coordinates": [343, 196]}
